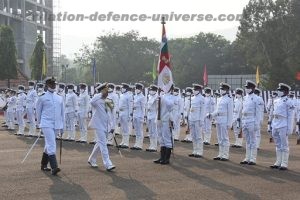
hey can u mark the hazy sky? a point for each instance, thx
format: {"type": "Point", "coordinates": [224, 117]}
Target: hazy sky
{"type": "Point", "coordinates": [75, 34]}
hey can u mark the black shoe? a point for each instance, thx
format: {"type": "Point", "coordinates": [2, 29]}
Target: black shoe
{"type": "Point", "coordinates": [133, 148]}
{"type": "Point", "coordinates": [53, 164]}
{"type": "Point", "coordinates": [191, 155]}
{"type": "Point", "coordinates": [233, 146]}
{"type": "Point", "coordinates": [44, 162]}
{"type": "Point", "coordinates": [251, 163]}
{"type": "Point", "coordinates": [244, 162]}
{"type": "Point", "coordinates": [92, 142]}
{"type": "Point", "coordinates": [122, 146]}
{"type": "Point", "coordinates": [55, 171]}
{"type": "Point", "coordinates": [206, 143]}
{"type": "Point", "coordinates": [197, 156]}
{"type": "Point", "coordinates": [166, 158]}
{"type": "Point", "coordinates": [162, 153]}
{"type": "Point", "coordinates": [283, 168]}
{"type": "Point", "coordinates": [183, 141]}
{"type": "Point", "coordinates": [111, 168]}
{"type": "Point", "coordinates": [217, 144]}
{"type": "Point", "coordinates": [83, 142]}
{"type": "Point", "coordinates": [152, 150]}
{"type": "Point", "coordinates": [109, 145]}
{"type": "Point", "coordinates": [224, 159]}
{"type": "Point", "coordinates": [217, 158]}
{"type": "Point", "coordinates": [176, 140]}
{"type": "Point", "coordinates": [238, 147]}
{"type": "Point", "coordinates": [274, 167]}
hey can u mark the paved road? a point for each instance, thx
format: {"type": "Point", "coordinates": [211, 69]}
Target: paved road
{"type": "Point", "coordinates": [136, 177]}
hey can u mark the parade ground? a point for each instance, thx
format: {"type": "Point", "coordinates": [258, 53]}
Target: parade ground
{"type": "Point", "coordinates": [137, 177]}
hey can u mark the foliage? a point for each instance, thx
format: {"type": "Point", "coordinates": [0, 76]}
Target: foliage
{"type": "Point", "coordinates": [36, 61]}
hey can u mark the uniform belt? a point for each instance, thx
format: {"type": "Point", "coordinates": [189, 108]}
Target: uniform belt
{"type": "Point", "coordinates": [221, 114]}
{"type": "Point", "coordinates": [248, 114]}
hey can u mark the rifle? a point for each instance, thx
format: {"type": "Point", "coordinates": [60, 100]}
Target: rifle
{"type": "Point", "coordinates": [240, 135]}
{"type": "Point", "coordinates": [187, 118]}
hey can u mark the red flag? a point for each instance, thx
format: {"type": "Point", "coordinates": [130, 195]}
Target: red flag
{"type": "Point", "coordinates": [165, 79]}
{"type": "Point", "coordinates": [205, 77]}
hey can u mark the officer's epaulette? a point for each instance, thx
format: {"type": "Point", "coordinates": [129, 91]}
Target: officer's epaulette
{"type": "Point", "coordinates": [42, 94]}
{"type": "Point", "coordinates": [229, 96]}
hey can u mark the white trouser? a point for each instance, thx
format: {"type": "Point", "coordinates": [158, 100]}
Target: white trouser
{"type": "Point", "coordinates": [82, 117]}
{"type": "Point", "coordinates": [251, 145]}
{"type": "Point", "coordinates": [138, 127]}
{"type": "Point", "coordinates": [207, 130]}
{"type": "Point", "coordinates": [164, 134]}
{"type": "Point", "coordinates": [223, 140]}
{"type": "Point", "coordinates": [50, 140]}
{"type": "Point", "coordinates": [258, 138]}
{"type": "Point", "coordinates": [70, 125]}
{"type": "Point", "coordinates": [31, 119]}
{"type": "Point", "coordinates": [20, 118]}
{"type": "Point", "coordinates": [124, 122]}
{"type": "Point", "coordinates": [282, 144]}
{"type": "Point", "coordinates": [196, 133]}
{"type": "Point", "coordinates": [11, 119]}
{"type": "Point", "coordinates": [176, 131]}
{"type": "Point", "coordinates": [100, 147]}
{"type": "Point", "coordinates": [152, 126]}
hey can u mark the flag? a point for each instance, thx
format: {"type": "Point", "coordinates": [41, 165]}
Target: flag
{"type": "Point", "coordinates": [44, 65]}
{"type": "Point", "coordinates": [165, 79]}
{"type": "Point", "coordinates": [205, 77]}
{"type": "Point", "coordinates": [94, 70]}
{"type": "Point", "coordinates": [154, 70]}
{"type": "Point", "coordinates": [257, 76]}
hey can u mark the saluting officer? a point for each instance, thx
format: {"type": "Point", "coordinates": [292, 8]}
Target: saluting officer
{"type": "Point", "coordinates": [31, 100]}
{"type": "Point", "coordinates": [251, 117]}
{"type": "Point", "coordinates": [101, 123]}
{"type": "Point", "coordinates": [282, 125]}
{"type": "Point", "coordinates": [50, 117]}
{"type": "Point", "coordinates": [223, 115]}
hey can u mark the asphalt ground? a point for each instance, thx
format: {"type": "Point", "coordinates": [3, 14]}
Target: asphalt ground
{"type": "Point", "coordinates": [137, 177]}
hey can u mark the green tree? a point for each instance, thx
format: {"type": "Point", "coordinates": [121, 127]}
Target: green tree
{"type": "Point", "coordinates": [8, 54]}
{"type": "Point", "coordinates": [36, 60]}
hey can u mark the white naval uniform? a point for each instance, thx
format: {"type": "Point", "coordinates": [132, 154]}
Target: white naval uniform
{"type": "Point", "coordinates": [282, 127]}
{"type": "Point", "coordinates": [138, 118]}
{"type": "Point", "coordinates": [101, 123]}
{"type": "Point", "coordinates": [11, 107]}
{"type": "Point", "coordinates": [270, 109]}
{"type": "Point", "coordinates": [176, 112]}
{"type": "Point", "coordinates": [237, 120]}
{"type": "Point", "coordinates": [125, 108]}
{"type": "Point", "coordinates": [31, 100]}
{"type": "Point", "coordinates": [251, 114]}
{"type": "Point", "coordinates": [152, 107]}
{"type": "Point", "coordinates": [71, 107]}
{"type": "Point", "coordinates": [196, 121]}
{"type": "Point", "coordinates": [258, 134]}
{"type": "Point", "coordinates": [20, 111]}
{"type": "Point", "coordinates": [210, 107]}
{"type": "Point", "coordinates": [50, 117]}
{"type": "Point", "coordinates": [83, 109]}
{"type": "Point", "coordinates": [163, 126]}
{"type": "Point", "coordinates": [223, 115]}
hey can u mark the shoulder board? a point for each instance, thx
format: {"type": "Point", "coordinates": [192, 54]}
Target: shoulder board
{"type": "Point", "coordinates": [229, 96]}
{"type": "Point", "coordinates": [42, 94]}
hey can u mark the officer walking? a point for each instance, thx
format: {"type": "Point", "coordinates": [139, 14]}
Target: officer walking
{"type": "Point", "coordinates": [101, 123]}
{"type": "Point", "coordinates": [50, 117]}
{"type": "Point", "coordinates": [282, 125]}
